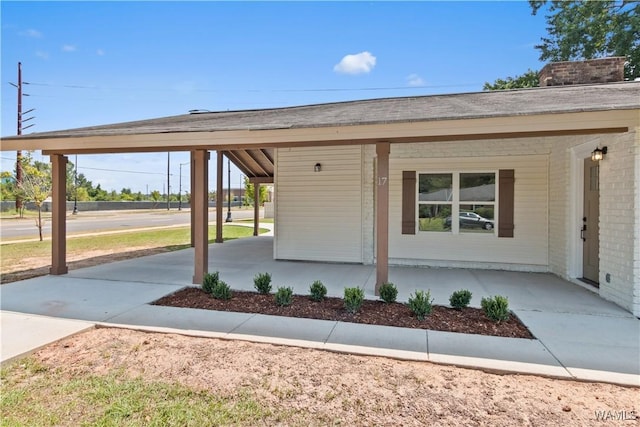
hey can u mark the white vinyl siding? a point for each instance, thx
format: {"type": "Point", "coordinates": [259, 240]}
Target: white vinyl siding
{"type": "Point", "coordinates": [319, 214]}
{"type": "Point", "coordinates": [528, 247]}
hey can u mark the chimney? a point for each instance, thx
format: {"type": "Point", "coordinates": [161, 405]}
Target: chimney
{"type": "Point", "coordinates": [591, 71]}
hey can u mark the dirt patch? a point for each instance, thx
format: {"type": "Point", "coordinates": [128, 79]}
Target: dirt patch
{"type": "Point", "coordinates": [311, 387]}
{"type": "Point", "coordinates": [467, 320]}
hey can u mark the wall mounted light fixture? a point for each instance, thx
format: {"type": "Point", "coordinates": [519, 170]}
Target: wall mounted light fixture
{"type": "Point", "coordinates": [317, 167]}
{"type": "Point", "coordinates": [598, 154]}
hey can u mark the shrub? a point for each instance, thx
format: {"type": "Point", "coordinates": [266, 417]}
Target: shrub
{"type": "Point", "coordinates": [284, 296]}
{"type": "Point", "coordinates": [221, 291]}
{"type": "Point", "coordinates": [460, 299]}
{"type": "Point", "coordinates": [353, 299]}
{"type": "Point", "coordinates": [317, 291]}
{"type": "Point", "coordinates": [496, 308]}
{"type": "Point", "coordinates": [388, 292]}
{"type": "Point", "coordinates": [209, 281]}
{"type": "Point", "coordinates": [421, 304]}
{"type": "Point", "coordinates": [262, 283]}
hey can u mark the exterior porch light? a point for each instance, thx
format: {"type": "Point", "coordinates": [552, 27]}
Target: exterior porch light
{"type": "Point", "coordinates": [598, 154]}
{"type": "Point", "coordinates": [317, 167]}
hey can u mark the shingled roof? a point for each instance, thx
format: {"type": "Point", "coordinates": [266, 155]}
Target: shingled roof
{"type": "Point", "coordinates": [566, 99]}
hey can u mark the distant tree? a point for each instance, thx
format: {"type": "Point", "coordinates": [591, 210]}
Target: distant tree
{"type": "Point", "coordinates": [156, 196]}
{"type": "Point", "coordinates": [249, 192]}
{"type": "Point", "coordinates": [36, 187]}
{"type": "Point", "coordinates": [7, 186]}
{"type": "Point", "coordinates": [528, 79]}
{"type": "Point", "coordinates": [579, 30]}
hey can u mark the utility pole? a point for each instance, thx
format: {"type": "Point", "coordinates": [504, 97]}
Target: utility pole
{"type": "Point", "coordinates": [19, 131]}
{"type": "Point", "coordinates": [168, 184]}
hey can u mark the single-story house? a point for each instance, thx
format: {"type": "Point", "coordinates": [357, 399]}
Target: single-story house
{"type": "Point", "coordinates": [543, 180]}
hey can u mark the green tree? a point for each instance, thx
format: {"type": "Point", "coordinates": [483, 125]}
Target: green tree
{"type": "Point", "coordinates": [579, 30]}
{"type": "Point", "coordinates": [36, 187]}
{"type": "Point", "coordinates": [528, 79]}
{"type": "Point", "coordinates": [249, 192]}
{"type": "Point", "coordinates": [7, 186]}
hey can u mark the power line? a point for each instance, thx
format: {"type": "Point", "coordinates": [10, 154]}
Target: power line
{"type": "Point", "coordinates": [123, 171]}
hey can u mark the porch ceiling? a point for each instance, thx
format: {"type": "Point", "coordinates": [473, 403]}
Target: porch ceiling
{"type": "Point", "coordinates": [256, 164]}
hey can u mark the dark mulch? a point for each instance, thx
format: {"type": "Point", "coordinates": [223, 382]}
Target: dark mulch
{"type": "Point", "coordinates": [467, 320]}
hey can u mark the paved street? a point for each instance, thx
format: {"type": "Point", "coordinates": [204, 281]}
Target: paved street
{"type": "Point", "coordinates": [87, 222]}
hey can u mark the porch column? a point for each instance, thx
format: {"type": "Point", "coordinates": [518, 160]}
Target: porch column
{"type": "Point", "coordinates": [219, 200]}
{"type": "Point", "coordinates": [199, 198]}
{"type": "Point", "coordinates": [192, 180]}
{"type": "Point", "coordinates": [382, 215]}
{"type": "Point", "coordinates": [59, 215]}
{"type": "Point", "coordinates": [256, 208]}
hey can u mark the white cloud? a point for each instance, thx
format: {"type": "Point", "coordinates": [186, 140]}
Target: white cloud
{"type": "Point", "coordinates": [68, 48]}
{"type": "Point", "coordinates": [42, 55]}
{"type": "Point", "coordinates": [100, 52]}
{"type": "Point", "coordinates": [414, 80]}
{"type": "Point", "coordinates": [35, 34]}
{"type": "Point", "coordinates": [359, 63]}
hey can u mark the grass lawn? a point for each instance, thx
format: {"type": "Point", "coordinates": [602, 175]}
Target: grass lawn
{"type": "Point", "coordinates": [51, 398]}
{"type": "Point", "coordinates": [172, 238]}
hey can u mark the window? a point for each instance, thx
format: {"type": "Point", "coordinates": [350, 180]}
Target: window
{"type": "Point", "coordinates": [470, 197]}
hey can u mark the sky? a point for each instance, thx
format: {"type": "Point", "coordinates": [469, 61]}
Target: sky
{"type": "Point", "coordinates": [94, 63]}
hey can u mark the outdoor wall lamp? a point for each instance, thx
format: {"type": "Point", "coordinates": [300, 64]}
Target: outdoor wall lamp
{"type": "Point", "coordinates": [598, 154]}
{"type": "Point", "coordinates": [317, 167]}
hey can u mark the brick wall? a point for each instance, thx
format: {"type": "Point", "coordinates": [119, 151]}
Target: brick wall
{"type": "Point", "coordinates": [604, 70]}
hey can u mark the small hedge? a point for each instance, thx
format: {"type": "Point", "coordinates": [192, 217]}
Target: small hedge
{"type": "Point", "coordinates": [209, 281]}
{"type": "Point", "coordinates": [421, 304]}
{"type": "Point", "coordinates": [353, 299]}
{"type": "Point", "coordinates": [317, 291]}
{"type": "Point", "coordinates": [221, 291]}
{"type": "Point", "coordinates": [284, 296]}
{"type": "Point", "coordinates": [460, 299]}
{"type": "Point", "coordinates": [496, 308]}
{"type": "Point", "coordinates": [388, 292]}
{"type": "Point", "coordinates": [262, 283]}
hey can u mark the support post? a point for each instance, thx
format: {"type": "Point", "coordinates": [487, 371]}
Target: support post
{"type": "Point", "coordinates": [200, 206]}
{"type": "Point", "coordinates": [256, 208]}
{"type": "Point", "coordinates": [220, 166]}
{"type": "Point", "coordinates": [59, 215]}
{"type": "Point", "coordinates": [192, 185]}
{"type": "Point", "coordinates": [382, 215]}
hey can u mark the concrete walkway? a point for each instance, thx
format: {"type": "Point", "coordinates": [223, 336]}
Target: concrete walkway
{"type": "Point", "coordinates": [578, 334]}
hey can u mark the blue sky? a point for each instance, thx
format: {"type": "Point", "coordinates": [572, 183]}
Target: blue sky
{"type": "Point", "coordinates": [92, 63]}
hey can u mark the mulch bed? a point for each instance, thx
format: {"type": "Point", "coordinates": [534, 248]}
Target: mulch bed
{"type": "Point", "coordinates": [467, 320]}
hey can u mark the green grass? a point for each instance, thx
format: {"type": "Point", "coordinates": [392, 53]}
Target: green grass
{"type": "Point", "coordinates": [172, 238]}
{"type": "Point", "coordinates": [432, 224]}
{"type": "Point", "coordinates": [33, 395]}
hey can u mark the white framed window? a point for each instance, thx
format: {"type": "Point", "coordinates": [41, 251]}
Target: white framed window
{"type": "Point", "coordinates": [468, 196]}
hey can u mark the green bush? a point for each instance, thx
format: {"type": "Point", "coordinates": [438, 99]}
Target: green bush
{"type": "Point", "coordinates": [284, 296]}
{"type": "Point", "coordinates": [496, 308]}
{"type": "Point", "coordinates": [460, 299]}
{"type": "Point", "coordinates": [421, 304]}
{"type": "Point", "coordinates": [221, 291]}
{"type": "Point", "coordinates": [388, 292]}
{"type": "Point", "coordinates": [353, 299]}
{"type": "Point", "coordinates": [317, 291]}
{"type": "Point", "coordinates": [209, 281]}
{"type": "Point", "coordinates": [262, 283]}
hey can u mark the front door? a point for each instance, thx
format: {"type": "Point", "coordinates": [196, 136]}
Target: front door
{"type": "Point", "coordinates": [590, 222]}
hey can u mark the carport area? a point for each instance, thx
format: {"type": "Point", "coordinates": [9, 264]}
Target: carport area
{"type": "Point", "coordinates": [578, 334]}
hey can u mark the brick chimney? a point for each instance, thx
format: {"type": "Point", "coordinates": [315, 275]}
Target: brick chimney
{"type": "Point", "coordinates": [591, 71]}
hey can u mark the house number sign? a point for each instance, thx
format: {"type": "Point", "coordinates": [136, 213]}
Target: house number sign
{"type": "Point", "coordinates": [382, 180]}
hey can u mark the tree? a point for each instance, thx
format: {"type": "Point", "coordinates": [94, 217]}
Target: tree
{"type": "Point", "coordinates": [528, 79]}
{"type": "Point", "coordinates": [249, 192]}
{"type": "Point", "coordinates": [579, 30]}
{"type": "Point", "coordinates": [36, 187]}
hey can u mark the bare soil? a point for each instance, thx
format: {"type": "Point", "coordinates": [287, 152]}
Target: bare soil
{"type": "Point", "coordinates": [304, 387]}
{"type": "Point", "coordinates": [467, 320]}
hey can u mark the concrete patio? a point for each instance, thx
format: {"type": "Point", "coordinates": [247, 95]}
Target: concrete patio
{"type": "Point", "coordinates": [578, 334]}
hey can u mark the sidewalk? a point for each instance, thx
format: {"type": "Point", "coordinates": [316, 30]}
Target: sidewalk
{"type": "Point", "coordinates": [578, 335]}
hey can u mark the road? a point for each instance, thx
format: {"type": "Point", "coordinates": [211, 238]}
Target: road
{"type": "Point", "coordinates": [88, 222]}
